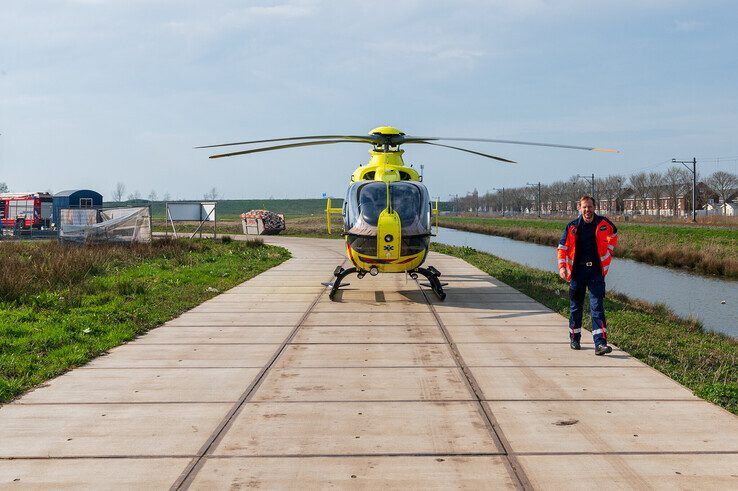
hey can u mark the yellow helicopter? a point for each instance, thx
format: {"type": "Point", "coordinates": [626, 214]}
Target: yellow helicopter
{"type": "Point", "coordinates": [387, 210]}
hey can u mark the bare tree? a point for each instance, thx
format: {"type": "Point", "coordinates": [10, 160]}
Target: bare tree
{"type": "Point", "coordinates": [609, 190]}
{"type": "Point", "coordinates": [616, 183]}
{"type": "Point", "coordinates": [724, 184]}
{"type": "Point", "coordinates": [655, 185]}
{"type": "Point", "coordinates": [558, 196]}
{"type": "Point", "coordinates": [676, 182]}
{"type": "Point", "coordinates": [153, 196]}
{"type": "Point", "coordinates": [212, 194]}
{"type": "Point", "coordinates": [167, 197]}
{"type": "Point", "coordinates": [134, 195]}
{"type": "Point", "coordinates": [639, 183]}
{"type": "Point", "coordinates": [119, 191]}
{"type": "Point", "coordinates": [576, 188]}
{"type": "Point", "coordinates": [3, 187]}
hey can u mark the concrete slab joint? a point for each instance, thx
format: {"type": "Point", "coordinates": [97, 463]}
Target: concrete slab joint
{"type": "Point", "coordinates": [272, 385]}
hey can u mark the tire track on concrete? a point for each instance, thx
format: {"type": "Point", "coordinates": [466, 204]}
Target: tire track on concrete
{"type": "Point", "coordinates": [514, 467]}
{"type": "Point", "coordinates": [188, 474]}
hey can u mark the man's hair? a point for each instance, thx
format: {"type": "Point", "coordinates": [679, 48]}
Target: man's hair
{"type": "Point", "coordinates": [587, 197]}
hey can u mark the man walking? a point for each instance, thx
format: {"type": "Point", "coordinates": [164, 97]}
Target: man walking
{"type": "Point", "coordinates": [585, 252]}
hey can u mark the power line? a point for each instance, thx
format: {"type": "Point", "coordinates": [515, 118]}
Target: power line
{"type": "Point", "coordinates": [650, 167]}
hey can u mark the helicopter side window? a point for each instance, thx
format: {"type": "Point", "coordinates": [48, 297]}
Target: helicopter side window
{"type": "Point", "coordinates": [410, 200]}
{"type": "Point", "coordinates": [372, 201]}
{"type": "Point", "coordinates": [406, 202]}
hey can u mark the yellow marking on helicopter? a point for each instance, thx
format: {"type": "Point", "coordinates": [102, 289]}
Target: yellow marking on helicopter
{"type": "Point", "coordinates": [387, 210]}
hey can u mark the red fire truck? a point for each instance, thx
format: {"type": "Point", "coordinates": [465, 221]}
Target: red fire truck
{"type": "Point", "coordinates": [27, 210]}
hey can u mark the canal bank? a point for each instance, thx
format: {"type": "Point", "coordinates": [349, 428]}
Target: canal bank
{"type": "Point", "coordinates": [705, 362]}
{"type": "Point", "coordinates": [687, 295]}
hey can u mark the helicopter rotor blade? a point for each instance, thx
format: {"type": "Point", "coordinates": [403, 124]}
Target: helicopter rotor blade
{"type": "Point", "coordinates": [414, 139]}
{"type": "Point", "coordinates": [364, 139]}
{"type": "Point", "coordinates": [280, 147]}
{"type": "Point", "coordinates": [467, 151]}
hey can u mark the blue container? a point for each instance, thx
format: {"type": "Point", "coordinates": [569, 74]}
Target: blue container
{"type": "Point", "coordinates": [76, 198]}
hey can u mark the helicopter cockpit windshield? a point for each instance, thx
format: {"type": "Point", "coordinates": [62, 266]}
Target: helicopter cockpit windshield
{"type": "Point", "coordinates": [365, 201]}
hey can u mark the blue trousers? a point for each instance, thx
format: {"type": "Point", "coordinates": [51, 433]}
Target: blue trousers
{"type": "Point", "coordinates": [583, 278]}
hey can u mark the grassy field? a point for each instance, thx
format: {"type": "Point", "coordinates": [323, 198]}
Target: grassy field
{"type": "Point", "coordinates": [231, 209]}
{"type": "Point", "coordinates": [297, 226]}
{"type": "Point", "coordinates": [62, 306]}
{"type": "Point", "coordinates": [706, 363]}
{"type": "Point", "coordinates": [700, 249]}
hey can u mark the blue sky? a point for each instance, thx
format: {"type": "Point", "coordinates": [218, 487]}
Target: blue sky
{"type": "Point", "coordinates": [93, 92]}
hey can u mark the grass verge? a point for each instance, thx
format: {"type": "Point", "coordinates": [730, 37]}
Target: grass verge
{"type": "Point", "coordinates": [62, 306]}
{"type": "Point", "coordinates": [706, 363]}
{"type": "Point", "coordinates": [704, 250]}
{"type": "Point", "coordinates": [313, 226]}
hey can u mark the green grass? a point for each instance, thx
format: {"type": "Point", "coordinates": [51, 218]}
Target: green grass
{"type": "Point", "coordinates": [699, 249]}
{"type": "Point", "coordinates": [231, 209]}
{"type": "Point", "coordinates": [47, 329]}
{"type": "Point", "coordinates": [313, 226]}
{"type": "Point", "coordinates": [706, 363]}
{"type": "Point", "coordinates": [680, 234]}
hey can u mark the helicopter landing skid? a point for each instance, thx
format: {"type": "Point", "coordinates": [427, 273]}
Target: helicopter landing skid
{"type": "Point", "coordinates": [340, 274]}
{"type": "Point", "coordinates": [432, 275]}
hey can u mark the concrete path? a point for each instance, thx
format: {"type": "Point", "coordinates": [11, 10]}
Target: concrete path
{"type": "Point", "coordinates": [271, 385]}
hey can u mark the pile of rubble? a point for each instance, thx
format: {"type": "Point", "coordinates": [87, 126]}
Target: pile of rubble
{"type": "Point", "coordinates": [262, 222]}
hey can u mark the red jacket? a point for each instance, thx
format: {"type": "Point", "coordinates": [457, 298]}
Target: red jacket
{"type": "Point", "coordinates": [606, 237]}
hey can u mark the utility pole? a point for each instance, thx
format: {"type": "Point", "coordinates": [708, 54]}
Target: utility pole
{"type": "Point", "coordinates": [591, 181]}
{"type": "Point", "coordinates": [539, 196]}
{"type": "Point", "coordinates": [693, 170]}
{"type": "Point", "coordinates": [503, 198]}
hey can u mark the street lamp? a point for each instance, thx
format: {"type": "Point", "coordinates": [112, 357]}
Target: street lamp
{"type": "Point", "coordinates": [591, 181]}
{"type": "Point", "coordinates": [503, 198]}
{"type": "Point", "coordinates": [693, 170]}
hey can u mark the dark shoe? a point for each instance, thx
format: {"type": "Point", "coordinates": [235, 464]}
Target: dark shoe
{"type": "Point", "coordinates": [575, 345]}
{"type": "Point", "coordinates": [603, 349]}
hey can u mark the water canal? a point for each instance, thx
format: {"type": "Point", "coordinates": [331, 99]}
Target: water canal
{"type": "Point", "coordinates": [685, 294]}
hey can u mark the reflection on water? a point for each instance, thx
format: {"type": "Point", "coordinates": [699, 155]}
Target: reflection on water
{"type": "Point", "coordinates": [684, 293]}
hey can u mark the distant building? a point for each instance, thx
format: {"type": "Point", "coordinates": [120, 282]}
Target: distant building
{"type": "Point", "coordinates": [730, 208]}
{"type": "Point", "coordinates": [664, 205]}
{"type": "Point", "coordinates": [76, 199]}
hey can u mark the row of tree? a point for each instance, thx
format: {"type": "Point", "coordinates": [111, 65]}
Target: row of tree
{"type": "Point", "coordinates": [674, 184]}
{"type": "Point", "coordinates": [119, 193]}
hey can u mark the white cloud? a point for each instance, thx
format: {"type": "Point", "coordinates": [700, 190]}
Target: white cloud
{"type": "Point", "coordinates": [688, 25]}
{"type": "Point", "coordinates": [288, 10]}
